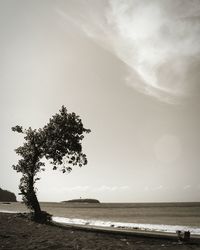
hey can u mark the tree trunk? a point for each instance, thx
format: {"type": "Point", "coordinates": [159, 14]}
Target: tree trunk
{"type": "Point", "coordinates": [33, 201]}
{"type": "Point", "coordinates": [36, 205]}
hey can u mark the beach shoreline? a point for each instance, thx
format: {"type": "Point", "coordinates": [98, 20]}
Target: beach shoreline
{"type": "Point", "coordinates": [18, 232]}
{"type": "Point", "coordinates": [134, 217]}
{"type": "Point", "coordinates": [144, 230]}
{"type": "Point", "coordinates": [157, 229]}
{"type": "Point", "coordinates": [127, 231]}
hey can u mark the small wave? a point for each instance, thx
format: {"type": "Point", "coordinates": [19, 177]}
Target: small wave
{"type": "Point", "coordinates": [133, 226]}
{"type": "Point", "coordinates": [9, 211]}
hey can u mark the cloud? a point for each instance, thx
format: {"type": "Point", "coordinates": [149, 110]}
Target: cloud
{"type": "Point", "coordinates": [103, 188]}
{"type": "Point", "coordinates": [157, 40]}
{"type": "Point", "coordinates": [155, 188]}
{"type": "Point", "coordinates": [71, 189]}
{"type": "Point", "coordinates": [110, 188]}
{"type": "Point", "coordinates": [187, 187]}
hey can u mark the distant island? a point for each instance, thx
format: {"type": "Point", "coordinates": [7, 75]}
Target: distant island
{"type": "Point", "coordinates": [7, 196]}
{"type": "Point", "coordinates": [83, 201]}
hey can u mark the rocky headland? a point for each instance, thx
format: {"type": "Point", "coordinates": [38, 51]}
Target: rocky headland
{"type": "Point", "coordinates": [7, 196]}
{"type": "Point", "coordinates": [83, 201]}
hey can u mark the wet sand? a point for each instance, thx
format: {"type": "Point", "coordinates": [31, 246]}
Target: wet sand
{"type": "Point", "coordinates": [17, 232]}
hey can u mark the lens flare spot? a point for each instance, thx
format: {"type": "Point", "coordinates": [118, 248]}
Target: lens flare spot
{"type": "Point", "coordinates": [167, 149]}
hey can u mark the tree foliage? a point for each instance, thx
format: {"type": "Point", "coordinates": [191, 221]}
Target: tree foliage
{"type": "Point", "coordinates": [59, 141]}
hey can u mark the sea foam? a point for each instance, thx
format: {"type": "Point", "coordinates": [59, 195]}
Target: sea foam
{"type": "Point", "coordinates": [133, 226]}
{"type": "Point", "coordinates": [8, 211]}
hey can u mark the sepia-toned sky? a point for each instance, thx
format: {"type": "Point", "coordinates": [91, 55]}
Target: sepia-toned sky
{"type": "Point", "coordinates": [130, 69]}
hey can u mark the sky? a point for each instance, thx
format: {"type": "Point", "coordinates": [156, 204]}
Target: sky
{"type": "Point", "coordinates": [130, 69]}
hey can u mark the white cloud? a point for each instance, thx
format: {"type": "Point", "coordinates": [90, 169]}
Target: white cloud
{"type": "Point", "coordinates": [158, 187]}
{"type": "Point", "coordinates": [153, 188]}
{"type": "Point", "coordinates": [103, 188]}
{"type": "Point", "coordinates": [187, 187]}
{"type": "Point", "coordinates": [157, 40]}
{"type": "Point", "coordinates": [70, 189]}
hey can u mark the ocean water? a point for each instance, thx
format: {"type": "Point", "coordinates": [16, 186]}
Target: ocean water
{"type": "Point", "coordinates": [166, 217]}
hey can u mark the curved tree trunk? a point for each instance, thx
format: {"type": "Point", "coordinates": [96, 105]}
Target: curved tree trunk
{"type": "Point", "coordinates": [36, 205]}
{"type": "Point", "coordinates": [33, 201]}
{"type": "Point", "coordinates": [33, 198]}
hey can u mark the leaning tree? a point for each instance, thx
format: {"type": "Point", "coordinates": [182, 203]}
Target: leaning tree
{"type": "Point", "coordinates": [59, 142]}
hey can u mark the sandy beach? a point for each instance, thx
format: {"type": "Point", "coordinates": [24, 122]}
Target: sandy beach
{"type": "Point", "coordinates": [17, 232]}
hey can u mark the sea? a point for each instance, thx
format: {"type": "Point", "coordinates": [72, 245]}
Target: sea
{"type": "Point", "coordinates": [161, 217]}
